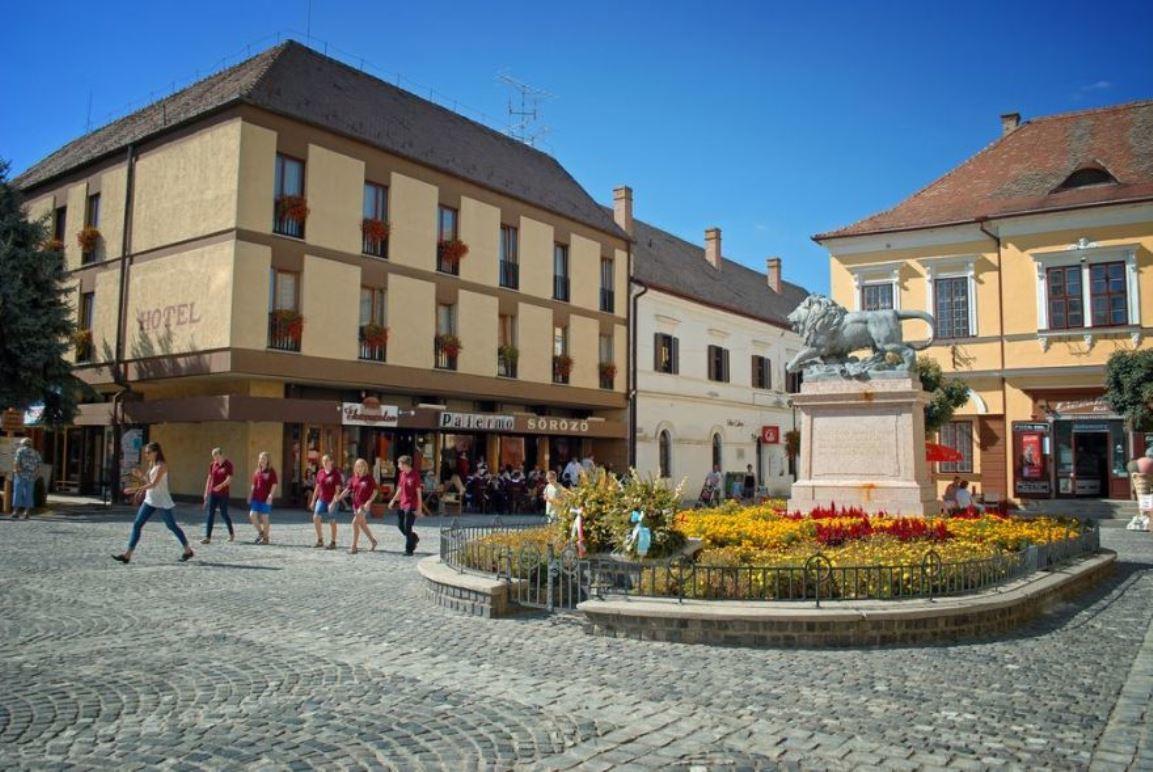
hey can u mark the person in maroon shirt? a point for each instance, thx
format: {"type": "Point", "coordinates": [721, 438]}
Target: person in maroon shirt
{"type": "Point", "coordinates": [363, 489]}
{"type": "Point", "coordinates": [409, 493]}
{"type": "Point", "coordinates": [216, 488]}
{"type": "Point", "coordinates": [323, 504]}
{"type": "Point", "coordinates": [264, 484]}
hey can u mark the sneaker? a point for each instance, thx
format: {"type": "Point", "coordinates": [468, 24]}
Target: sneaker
{"type": "Point", "coordinates": [206, 540]}
{"type": "Point", "coordinates": [187, 556]}
{"type": "Point", "coordinates": [121, 558]}
{"type": "Point", "coordinates": [258, 540]}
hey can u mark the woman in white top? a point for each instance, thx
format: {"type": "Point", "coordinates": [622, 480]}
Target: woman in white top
{"type": "Point", "coordinates": [156, 498]}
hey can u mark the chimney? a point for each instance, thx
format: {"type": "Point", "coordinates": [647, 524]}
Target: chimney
{"type": "Point", "coordinates": [713, 247]}
{"type": "Point", "coordinates": [773, 273]}
{"type": "Point", "coordinates": [1009, 123]}
{"type": "Point", "coordinates": [623, 208]}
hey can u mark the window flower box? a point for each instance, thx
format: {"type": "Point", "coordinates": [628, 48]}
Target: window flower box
{"type": "Point", "coordinates": [449, 344]}
{"type": "Point", "coordinates": [451, 251]}
{"type": "Point", "coordinates": [562, 365]}
{"type": "Point", "coordinates": [608, 370]}
{"type": "Point", "coordinates": [88, 238]}
{"type": "Point", "coordinates": [292, 208]}
{"type": "Point", "coordinates": [374, 335]}
{"type": "Point", "coordinates": [53, 245]}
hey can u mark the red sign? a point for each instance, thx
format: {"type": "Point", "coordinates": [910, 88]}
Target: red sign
{"type": "Point", "coordinates": [770, 435]}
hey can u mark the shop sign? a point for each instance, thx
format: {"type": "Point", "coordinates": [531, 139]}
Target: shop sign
{"type": "Point", "coordinates": [1090, 426]}
{"type": "Point", "coordinates": [477, 422]}
{"type": "Point", "coordinates": [178, 315]}
{"type": "Point", "coordinates": [1026, 426]}
{"type": "Point", "coordinates": [1039, 487]}
{"type": "Point", "coordinates": [556, 425]}
{"type": "Point", "coordinates": [770, 435]}
{"type": "Point", "coordinates": [368, 414]}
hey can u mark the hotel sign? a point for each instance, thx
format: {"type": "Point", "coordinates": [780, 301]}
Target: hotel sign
{"type": "Point", "coordinates": [368, 414]}
{"type": "Point", "coordinates": [477, 422]}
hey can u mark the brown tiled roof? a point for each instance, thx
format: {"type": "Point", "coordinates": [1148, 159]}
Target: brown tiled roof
{"type": "Point", "coordinates": [666, 262]}
{"type": "Point", "coordinates": [298, 82]}
{"type": "Point", "coordinates": [1022, 172]}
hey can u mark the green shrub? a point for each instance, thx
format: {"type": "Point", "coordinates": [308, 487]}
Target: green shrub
{"type": "Point", "coordinates": [607, 506]}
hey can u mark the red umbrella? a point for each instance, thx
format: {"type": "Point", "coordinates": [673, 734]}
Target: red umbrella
{"type": "Point", "coordinates": [935, 452]}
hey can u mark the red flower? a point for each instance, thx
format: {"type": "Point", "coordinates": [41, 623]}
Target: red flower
{"type": "Point", "coordinates": [451, 250]}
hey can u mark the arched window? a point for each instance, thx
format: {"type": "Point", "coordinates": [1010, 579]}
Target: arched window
{"type": "Point", "coordinates": [666, 454]}
{"type": "Point", "coordinates": [717, 462]}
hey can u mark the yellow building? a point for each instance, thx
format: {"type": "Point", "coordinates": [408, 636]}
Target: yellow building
{"type": "Point", "coordinates": [1036, 257]}
{"type": "Point", "coordinates": [271, 260]}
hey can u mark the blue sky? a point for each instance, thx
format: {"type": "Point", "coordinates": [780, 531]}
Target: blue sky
{"type": "Point", "coordinates": [772, 120]}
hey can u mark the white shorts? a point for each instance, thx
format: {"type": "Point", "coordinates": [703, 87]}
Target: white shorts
{"type": "Point", "coordinates": [1145, 502]}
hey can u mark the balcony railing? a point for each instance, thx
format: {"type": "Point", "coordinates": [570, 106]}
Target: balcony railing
{"type": "Point", "coordinates": [288, 226]}
{"type": "Point", "coordinates": [445, 265]}
{"type": "Point", "coordinates": [608, 300]}
{"type": "Point", "coordinates": [444, 361]}
{"type": "Point", "coordinates": [505, 366]}
{"type": "Point", "coordinates": [560, 372]}
{"type": "Point", "coordinates": [283, 333]}
{"type": "Point", "coordinates": [560, 288]}
{"type": "Point", "coordinates": [509, 274]}
{"type": "Point", "coordinates": [372, 352]}
{"type": "Point", "coordinates": [374, 247]}
{"type": "Point", "coordinates": [607, 382]}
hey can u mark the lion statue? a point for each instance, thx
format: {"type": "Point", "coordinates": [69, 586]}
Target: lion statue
{"type": "Point", "coordinates": [832, 333]}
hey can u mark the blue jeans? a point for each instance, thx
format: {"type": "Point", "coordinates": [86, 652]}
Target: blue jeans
{"type": "Point", "coordinates": [22, 488]}
{"type": "Point", "coordinates": [144, 515]}
{"type": "Point", "coordinates": [216, 501]}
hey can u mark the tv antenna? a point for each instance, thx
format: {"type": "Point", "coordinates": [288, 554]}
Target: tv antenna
{"type": "Point", "coordinates": [524, 110]}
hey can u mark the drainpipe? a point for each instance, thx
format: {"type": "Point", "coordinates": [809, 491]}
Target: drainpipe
{"type": "Point", "coordinates": [1008, 439]}
{"type": "Point", "coordinates": [633, 324]}
{"type": "Point", "coordinates": [119, 369]}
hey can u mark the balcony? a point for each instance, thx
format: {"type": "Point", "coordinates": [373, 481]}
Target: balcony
{"type": "Point", "coordinates": [608, 300]}
{"type": "Point", "coordinates": [284, 330]}
{"type": "Point", "coordinates": [560, 288]}
{"type": "Point", "coordinates": [506, 363]}
{"type": "Point", "coordinates": [608, 374]}
{"type": "Point", "coordinates": [290, 214]}
{"type": "Point", "coordinates": [374, 247]}
{"type": "Point", "coordinates": [447, 348]}
{"type": "Point", "coordinates": [449, 253]}
{"type": "Point", "coordinates": [561, 368]}
{"type": "Point", "coordinates": [509, 274]}
{"type": "Point", "coordinates": [373, 340]}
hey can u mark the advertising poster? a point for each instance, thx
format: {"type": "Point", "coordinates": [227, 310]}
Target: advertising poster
{"type": "Point", "coordinates": [1030, 464]}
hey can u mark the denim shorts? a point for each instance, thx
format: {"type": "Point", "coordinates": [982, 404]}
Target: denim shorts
{"type": "Point", "coordinates": [260, 507]}
{"type": "Point", "coordinates": [321, 510]}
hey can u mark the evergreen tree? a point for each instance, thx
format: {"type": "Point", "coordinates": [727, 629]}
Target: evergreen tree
{"type": "Point", "coordinates": [36, 321]}
{"type": "Point", "coordinates": [945, 394]}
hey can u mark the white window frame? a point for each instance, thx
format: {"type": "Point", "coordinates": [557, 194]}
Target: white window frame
{"type": "Point", "coordinates": [952, 267]}
{"type": "Point", "coordinates": [876, 274]}
{"type": "Point", "coordinates": [1086, 254]}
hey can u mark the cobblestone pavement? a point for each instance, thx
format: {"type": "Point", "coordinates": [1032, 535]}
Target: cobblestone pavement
{"type": "Point", "coordinates": [285, 656]}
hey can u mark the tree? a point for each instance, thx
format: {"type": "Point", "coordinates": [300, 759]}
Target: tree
{"type": "Point", "coordinates": [946, 394]}
{"type": "Point", "coordinates": [36, 326]}
{"type": "Point", "coordinates": [1129, 386]}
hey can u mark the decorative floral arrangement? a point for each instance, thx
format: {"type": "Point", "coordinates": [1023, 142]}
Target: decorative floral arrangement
{"type": "Point", "coordinates": [374, 334]}
{"type": "Point", "coordinates": [451, 250]}
{"type": "Point", "coordinates": [608, 370]}
{"type": "Point", "coordinates": [289, 322]}
{"type": "Point", "coordinates": [88, 238]}
{"type": "Point", "coordinates": [509, 353]}
{"type": "Point", "coordinates": [82, 339]}
{"type": "Point", "coordinates": [562, 365]}
{"type": "Point", "coordinates": [449, 344]}
{"type": "Point", "coordinates": [53, 245]}
{"type": "Point", "coordinates": [374, 230]}
{"type": "Point", "coordinates": [293, 208]}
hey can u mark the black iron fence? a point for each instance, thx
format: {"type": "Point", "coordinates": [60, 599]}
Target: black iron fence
{"type": "Point", "coordinates": [544, 574]}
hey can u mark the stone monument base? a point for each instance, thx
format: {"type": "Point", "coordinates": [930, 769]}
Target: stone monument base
{"type": "Point", "coordinates": [863, 445]}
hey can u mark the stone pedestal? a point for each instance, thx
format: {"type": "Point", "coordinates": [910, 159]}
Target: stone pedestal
{"type": "Point", "coordinates": [863, 445]}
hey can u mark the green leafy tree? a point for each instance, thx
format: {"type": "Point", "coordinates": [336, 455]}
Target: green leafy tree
{"type": "Point", "coordinates": [945, 394]}
{"type": "Point", "coordinates": [1129, 386]}
{"type": "Point", "coordinates": [36, 325]}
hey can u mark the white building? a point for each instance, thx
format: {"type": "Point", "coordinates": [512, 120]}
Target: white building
{"type": "Point", "coordinates": [711, 340]}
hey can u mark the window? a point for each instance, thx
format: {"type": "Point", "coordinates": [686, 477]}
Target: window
{"type": "Point", "coordinates": [717, 445]}
{"type": "Point", "coordinates": [289, 184]}
{"type": "Point", "coordinates": [284, 323]}
{"type": "Point", "coordinates": [84, 325]}
{"type": "Point", "coordinates": [718, 364]}
{"type": "Point", "coordinates": [1066, 303]}
{"type": "Point", "coordinates": [951, 297]}
{"type": "Point", "coordinates": [1109, 300]}
{"type": "Point", "coordinates": [373, 313]}
{"type": "Point", "coordinates": [608, 299]}
{"type": "Point", "coordinates": [606, 362]}
{"type": "Point", "coordinates": [561, 362]}
{"type": "Point", "coordinates": [509, 257]}
{"type": "Point", "coordinates": [1085, 177]}
{"type": "Point", "coordinates": [665, 454]}
{"type": "Point", "coordinates": [506, 353]}
{"type": "Point", "coordinates": [793, 382]}
{"type": "Point", "coordinates": [375, 210]}
{"type": "Point", "coordinates": [762, 372]}
{"type": "Point", "coordinates": [58, 223]}
{"type": "Point", "coordinates": [560, 272]}
{"type": "Point", "coordinates": [876, 297]}
{"type": "Point", "coordinates": [447, 229]}
{"type": "Point", "coordinates": [446, 343]}
{"type": "Point", "coordinates": [91, 220]}
{"type": "Point", "coordinates": [666, 354]}
{"type": "Point", "coordinates": [957, 435]}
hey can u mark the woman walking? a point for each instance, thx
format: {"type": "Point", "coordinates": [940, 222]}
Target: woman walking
{"type": "Point", "coordinates": [216, 495]}
{"type": "Point", "coordinates": [264, 484]}
{"type": "Point", "coordinates": [323, 504]}
{"type": "Point", "coordinates": [408, 492]}
{"type": "Point", "coordinates": [363, 489]}
{"type": "Point", "coordinates": [156, 498]}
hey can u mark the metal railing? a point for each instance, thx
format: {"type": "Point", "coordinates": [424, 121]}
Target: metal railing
{"type": "Point", "coordinates": [444, 265]}
{"type": "Point", "coordinates": [509, 274]}
{"type": "Point", "coordinates": [282, 335]}
{"type": "Point", "coordinates": [374, 247]}
{"type": "Point", "coordinates": [505, 366]}
{"type": "Point", "coordinates": [373, 352]}
{"type": "Point", "coordinates": [551, 576]}
{"type": "Point", "coordinates": [560, 288]}
{"type": "Point", "coordinates": [443, 360]}
{"type": "Point", "coordinates": [288, 226]}
{"type": "Point", "coordinates": [608, 300]}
